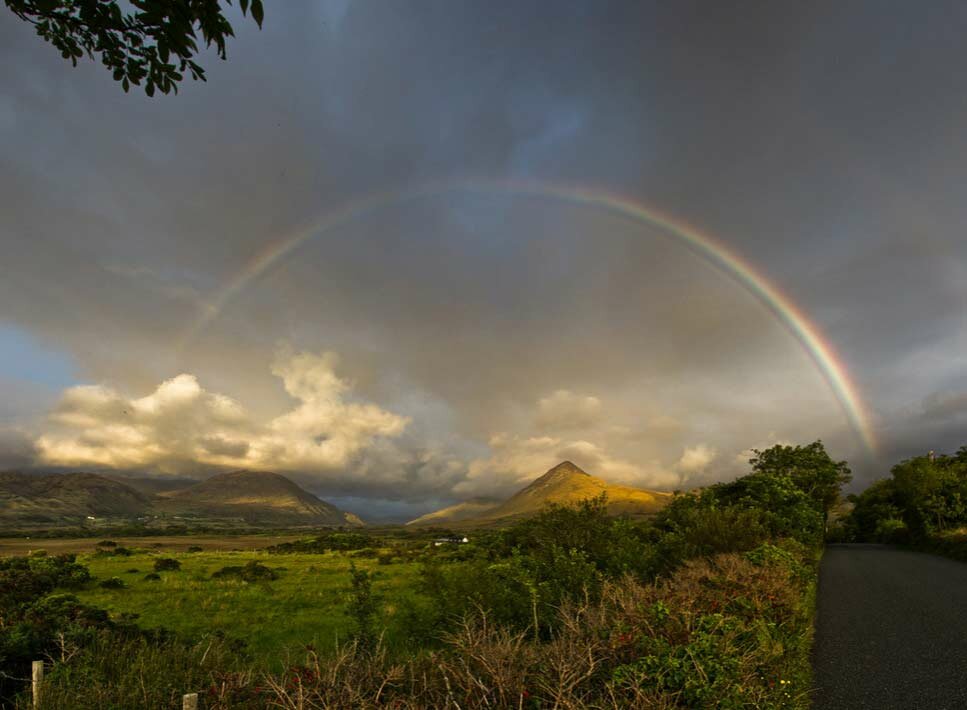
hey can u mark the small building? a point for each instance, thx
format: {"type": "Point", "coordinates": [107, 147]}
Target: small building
{"type": "Point", "coordinates": [450, 540]}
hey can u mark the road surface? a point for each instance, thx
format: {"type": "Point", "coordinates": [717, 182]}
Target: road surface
{"type": "Point", "coordinates": [891, 631]}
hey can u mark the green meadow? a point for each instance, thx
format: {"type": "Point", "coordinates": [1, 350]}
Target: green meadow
{"type": "Point", "coordinates": [305, 605]}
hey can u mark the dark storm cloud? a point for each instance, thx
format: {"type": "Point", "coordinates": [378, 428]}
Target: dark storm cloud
{"type": "Point", "coordinates": [822, 142]}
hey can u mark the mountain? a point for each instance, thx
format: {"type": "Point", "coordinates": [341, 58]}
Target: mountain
{"type": "Point", "coordinates": [258, 497]}
{"type": "Point", "coordinates": [565, 484]}
{"type": "Point", "coordinates": [153, 486]}
{"type": "Point", "coordinates": [456, 513]}
{"type": "Point", "coordinates": [68, 497]}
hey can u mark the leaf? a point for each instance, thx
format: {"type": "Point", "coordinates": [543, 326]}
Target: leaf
{"type": "Point", "coordinates": [244, 5]}
{"type": "Point", "coordinates": [257, 12]}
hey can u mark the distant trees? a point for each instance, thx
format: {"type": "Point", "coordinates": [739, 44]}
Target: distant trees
{"type": "Point", "coordinates": [924, 495]}
{"type": "Point", "coordinates": [150, 41]}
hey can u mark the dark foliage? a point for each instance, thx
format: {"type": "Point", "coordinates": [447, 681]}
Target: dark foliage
{"type": "Point", "coordinates": [166, 564]}
{"type": "Point", "coordinates": [327, 542]}
{"type": "Point", "coordinates": [113, 583]}
{"type": "Point", "coordinates": [150, 41]}
{"type": "Point", "coordinates": [925, 496]}
{"type": "Point", "coordinates": [254, 571]}
{"type": "Point", "coordinates": [363, 607]}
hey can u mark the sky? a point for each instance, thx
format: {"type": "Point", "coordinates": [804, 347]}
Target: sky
{"type": "Point", "coordinates": [356, 256]}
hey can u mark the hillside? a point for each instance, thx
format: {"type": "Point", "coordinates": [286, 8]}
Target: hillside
{"type": "Point", "coordinates": [456, 513]}
{"type": "Point", "coordinates": [257, 497]}
{"type": "Point", "coordinates": [565, 484]}
{"type": "Point", "coordinates": [68, 497]}
{"type": "Point", "coordinates": [153, 486]}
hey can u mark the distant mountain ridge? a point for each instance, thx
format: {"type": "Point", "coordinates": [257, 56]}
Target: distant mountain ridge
{"type": "Point", "coordinates": [255, 497]}
{"type": "Point", "coordinates": [48, 498]}
{"type": "Point", "coordinates": [564, 484]}
{"type": "Point", "coordinates": [258, 496]}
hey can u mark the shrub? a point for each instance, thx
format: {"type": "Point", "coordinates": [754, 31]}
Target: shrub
{"type": "Point", "coordinates": [254, 571]}
{"type": "Point", "coordinates": [324, 543]}
{"type": "Point", "coordinates": [166, 564]}
{"type": "Point", "coordinates": [363, 606]}
{"type": "Point", "coordinates": [721, 632]}
{"type": "Point", "coordinates": [366, 553]}
{"type": "Point", "coordinates": [152, 577]}
{"type": "Point", "coordinates": [107, 543]}
{"type": "Point", "coordinates": [386, 558]}
{"type": "Point", "coordinates": [195, 548]}
{"type": "Point", "coordinates": [116, 551]}
{"type": "Point", "coordinates": [133, 570]}
{"type": "Point", "coordinates": [113, 583]}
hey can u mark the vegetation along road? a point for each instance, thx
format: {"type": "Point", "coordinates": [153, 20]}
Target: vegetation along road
{"type": "Point", "coordinates": [891, 630]}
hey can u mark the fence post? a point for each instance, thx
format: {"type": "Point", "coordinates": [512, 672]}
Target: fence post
{"type": "Point", "coordinates": [189, 701]}
{"type": "Point", "coordinates": [36, 678]}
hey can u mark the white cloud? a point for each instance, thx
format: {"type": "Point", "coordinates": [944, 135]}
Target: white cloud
{"type": "Point", "coordinates": [696, 459]}
{"type": "Point", "coordinates": [180, 424]}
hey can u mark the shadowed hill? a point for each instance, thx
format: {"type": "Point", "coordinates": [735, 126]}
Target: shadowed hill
{"type": "Point", "coordinates": [565, 484]}
{"type": "Point", "coordinates": [70, 497]}
{"type": "Point", "coordinates": [257, 497]}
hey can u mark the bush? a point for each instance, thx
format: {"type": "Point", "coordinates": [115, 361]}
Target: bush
{"type": "Point", "coordinates": [324, 543]}
{"type": "Point", "coordinates": [113, 583]}
{"type": "Point", "coordinates": [195, 548]}
{"type": "Point", "coordinates": [152, 577]}
{"type": "Point", "coordinates": [116, 551]}
{"type": "Point", "coordinates": [722, 632]}
{"type": "Point", "coordinates": [107, 543]}
{"type": "Point", "coordinates": [166, 564]}
{"type": "Point", "coordinates": [363, 607]}
{"type": "Point", "coordinates": [386, 558]}
{"type": "Point", "coordinates": [254, 571]}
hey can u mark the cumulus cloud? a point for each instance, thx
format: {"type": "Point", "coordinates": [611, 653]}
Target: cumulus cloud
{"type": "Point", "coordinates": [696, 459]}
{"type": "Point", "coordinates": [181, 425]}
{"type": "Point", "coordinates": [564, 410]}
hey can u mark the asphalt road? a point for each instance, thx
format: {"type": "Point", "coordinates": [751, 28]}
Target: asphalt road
{"type": "Point", "coordinates": [891, 631]}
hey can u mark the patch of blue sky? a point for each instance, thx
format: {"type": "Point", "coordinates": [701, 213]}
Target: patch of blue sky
{"type": "Point", "coordinates": [23, 358]}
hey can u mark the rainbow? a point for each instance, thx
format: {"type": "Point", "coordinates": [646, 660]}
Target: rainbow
{"type": "Point", "coordinates": [714, 251]}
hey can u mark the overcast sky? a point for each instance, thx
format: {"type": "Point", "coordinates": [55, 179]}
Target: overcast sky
{"type": "Point", "coordinates": [458, 344]}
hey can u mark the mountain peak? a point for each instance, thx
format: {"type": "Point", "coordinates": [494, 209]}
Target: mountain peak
{"type": "Point", "coordinates": [563, 470]}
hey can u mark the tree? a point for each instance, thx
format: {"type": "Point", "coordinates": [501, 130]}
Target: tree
{"type": "Point", "coordinates": [154, 43]}
{"type": "Point", "coordinates": [810, 468]}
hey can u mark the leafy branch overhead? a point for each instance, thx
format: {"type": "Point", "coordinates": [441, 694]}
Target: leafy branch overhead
{"type": "Point", "coordinates": [151, 41]}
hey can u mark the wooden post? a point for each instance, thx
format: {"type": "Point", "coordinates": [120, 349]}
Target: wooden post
{"type": "Point", "coordinates": [189, 701]}
{"type": "Point", "coordinates": [36, 678]}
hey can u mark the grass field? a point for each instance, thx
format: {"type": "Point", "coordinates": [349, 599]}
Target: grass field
{"type": "Point", "coordinates": [305, 605]}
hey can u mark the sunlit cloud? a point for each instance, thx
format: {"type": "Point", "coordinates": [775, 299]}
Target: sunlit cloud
{"type": "Point", "coordinates": [180, 425]}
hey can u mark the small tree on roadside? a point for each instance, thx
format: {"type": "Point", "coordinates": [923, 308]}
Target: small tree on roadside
{"type": "Point", "coordinates": [811, 469]}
